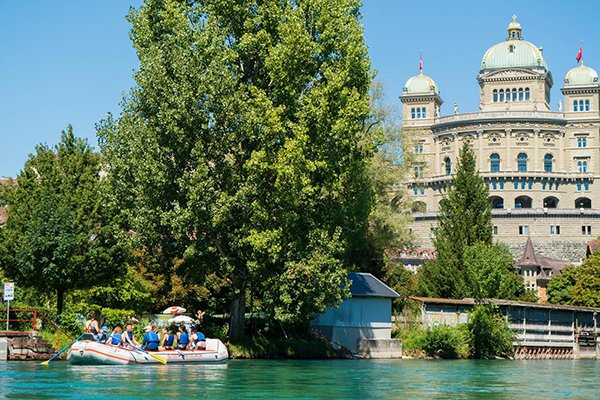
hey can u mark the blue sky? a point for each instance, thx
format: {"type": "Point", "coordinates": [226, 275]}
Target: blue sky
{"type": "Point", "coordinates": [71, 61]}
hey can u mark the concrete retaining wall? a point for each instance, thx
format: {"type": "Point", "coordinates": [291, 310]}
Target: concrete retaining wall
{"type": "Point", "coordinates": [380, 348]}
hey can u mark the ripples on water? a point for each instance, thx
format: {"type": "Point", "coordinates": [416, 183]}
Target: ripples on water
{"type": "Point", "coordinates": [330, 379]}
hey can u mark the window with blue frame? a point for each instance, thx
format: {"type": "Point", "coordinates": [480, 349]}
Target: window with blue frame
{"type": "Point", "coordinates": [575, 108]}
{"type": "Point", "coordinates": [520, 94]}
{"type": "Point", "coordinates": [448, 165]}
{"type": "Point", "coordinates": [526, 94]}
{"type": "Point", "coordinates": [587, 105]}
{"type": "Point", "coordinates": [548, 158]}
{"type": "Point", "coordinates": [530, 185]}
{"type": "Point", "coordinates": [522, 162]}
{"type": "Point", "coordinates": [579, 185]}
{"type": "Point", "coordinates": [586, 185]}
{"type": "Point", "coordinates": [501, 184]}
{"type": "Point", "coordinates": [516, 184]}
{"type": "Point", "coordinates": [495, 162]}
{"type": "Point", "coordinates": [495, 92]}
{"type": "Point", "coordinates": [581, 141]}
{"type": "Point", "coordinates": [501, 95]}
{"type": "Point", "coordinates": [412, 113]}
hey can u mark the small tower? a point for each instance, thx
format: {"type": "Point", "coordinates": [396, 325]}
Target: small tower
{"type": "Point", "coordinates": [421, 100]}
{"type": "Point", "coordinates": [582, 93]}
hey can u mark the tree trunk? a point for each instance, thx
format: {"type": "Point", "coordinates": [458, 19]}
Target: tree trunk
{"type": "Point", "coordinates": [60, 295]}
{"type": "Point", "coordinates": [238, 311]}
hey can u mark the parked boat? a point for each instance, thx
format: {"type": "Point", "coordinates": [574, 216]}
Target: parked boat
{"type": "Point", "coordinates": [90, 352]}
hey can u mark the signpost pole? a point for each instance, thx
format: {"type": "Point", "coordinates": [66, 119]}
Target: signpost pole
{"type": "Point", "coordinates": [9, 294]}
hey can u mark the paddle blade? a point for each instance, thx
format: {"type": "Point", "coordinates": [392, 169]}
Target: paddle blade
{"type": "Point", "coordinates": [45, 362]}
{"type": "Point", "coordinates": [159, 359]}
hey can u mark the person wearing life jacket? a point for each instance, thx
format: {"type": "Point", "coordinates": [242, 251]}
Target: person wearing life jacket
{"type": "Point", "coordinates": [150, 341]}
{"type": "Point", "coordinates": [116, 336]}
{"type": "Point", "coordinates": [103, 335]}
{"type": "Point", "coordinates": [198, 340]}
{"type": "Point", "coordinates": [128, 336]}
{"type": "Point", "coordinates": [167, 340]}
{"type": "Point", "coordinates": [182, 338]}
{"type": "Point", "coordinates": [91, 326]}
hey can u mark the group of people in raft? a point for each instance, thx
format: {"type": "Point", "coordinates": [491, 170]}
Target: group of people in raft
{"type": "Point", "coordinates": [173, 338]}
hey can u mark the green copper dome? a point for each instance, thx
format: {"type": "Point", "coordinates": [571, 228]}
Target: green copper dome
{"type": "Point", "coordinates": [420, 84]}
{"type": "Point", "coordinates": [581, 75]}
{"type": "Point", "coordinates": [514, 52]}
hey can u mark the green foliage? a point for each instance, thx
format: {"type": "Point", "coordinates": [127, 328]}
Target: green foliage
{"type": "Point", "coordinates": [401, 280]}
{"type": "Point", "coordinates": [241, 153]}
{"type": "Point", "coordinates": [390, 217]}
{"type": "Point", "coordinates": [263, 347]}
{"type": "Point", "coordinates": [129, 291]}
{"type": "Point", "coordinates": [445, 341]}
{"type": "Point", "coordinates": [489, 273]}
{"type": "Point", "coordinates": [464, 220]}
{"type": "Point", "coordinates": [489, 335]}
{"type": "Point", "coordinates": [577, 285]}
{"type": "Point", "coordinates": [59, 235]}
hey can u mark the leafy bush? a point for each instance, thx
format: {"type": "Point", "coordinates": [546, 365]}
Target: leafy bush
{"type": "Point", "coordinates": [489, 335]}
{"type": "Point", "coordinates": [444, 341]}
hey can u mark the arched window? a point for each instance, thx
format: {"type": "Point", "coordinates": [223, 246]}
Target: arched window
{"type": "Point", "coordinates": [495, 162]}
{"type": "Point", "coordinates": [495, 92]}
{"type": "Point", "coordinates": [523, 202]}
{"type": "Point", "coordinates": [587, 105]}
{"type": "Point", "coordinates": [418, 112]}
{"type": "Point", "coordinates": [412, 113]}
{"type": "Point", "coordinates": [526, 93]}
{"type": "Point", "coordinates": [575, 108]}
{"type": "Point", "coordinates": [501, 95]}
{"type": "Point", "coordinates": [583, 202]}
{"type": "Point", "coordinates": [514, 94]}
{"type": "Point", "coordinates": [497, 201]}
{"type": "Point", "coordinates": [548, 158]}
{"type": "Point", "coordinates": [551, 202]}
{"type": "Point", "coordinates": [580, 105]}
{"type": "Point", "coordinates": [448, 165]}
{"type": "Point", "coordinates": [424, 115]}
{"type": "Point", "coordinates": [522, 162]}
{"type": "Point", "coordinates": [520, 94]}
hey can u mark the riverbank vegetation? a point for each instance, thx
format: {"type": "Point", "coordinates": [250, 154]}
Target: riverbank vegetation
{"type": "Point", "coordinates": [486, 335]}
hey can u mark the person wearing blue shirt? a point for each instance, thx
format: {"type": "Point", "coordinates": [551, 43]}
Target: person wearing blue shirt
{"type": "Point", "coordinates": [150, 341]}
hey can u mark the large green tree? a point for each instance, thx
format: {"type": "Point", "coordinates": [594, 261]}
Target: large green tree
{"type": "Point", "coordinates": [577, 285]}
{"type": "Point", "coordinates": [464, 220]}
{"type": "Point", "coordinates": [241, 154]}
{"type": "Point", "coordinates": [59, 235]}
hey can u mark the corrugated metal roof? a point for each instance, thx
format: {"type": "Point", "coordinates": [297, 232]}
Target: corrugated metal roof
{"type": "Point", "coordinates": [366, 285]}
{"type": "Point", "coordinates": [499, 302]}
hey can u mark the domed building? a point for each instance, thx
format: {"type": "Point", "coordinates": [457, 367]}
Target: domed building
{"type": "Point", "coordinates": [540, 165]}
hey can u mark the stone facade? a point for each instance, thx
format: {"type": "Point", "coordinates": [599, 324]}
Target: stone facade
{"type": "Point", "coordinates": [540, 165]}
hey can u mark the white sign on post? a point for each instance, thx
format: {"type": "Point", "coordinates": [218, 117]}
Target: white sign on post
{"type": "Point", "coordinates": [9, 291]}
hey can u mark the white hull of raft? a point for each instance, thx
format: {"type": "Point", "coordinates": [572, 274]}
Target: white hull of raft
{"type": "Point", "coordinates": [87, 352]}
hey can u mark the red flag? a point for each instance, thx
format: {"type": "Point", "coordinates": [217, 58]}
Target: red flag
{"type": "Point", "coordinates": [421, 63]}
{"type": "Point", "coordinates": [579, 54]}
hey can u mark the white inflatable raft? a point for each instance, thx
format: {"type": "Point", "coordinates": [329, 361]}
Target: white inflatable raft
{"type": "Point", "coordinates": [90, 352]}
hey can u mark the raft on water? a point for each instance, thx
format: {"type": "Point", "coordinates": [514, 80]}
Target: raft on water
{"type": "Point", "coordinates": [90, 352]}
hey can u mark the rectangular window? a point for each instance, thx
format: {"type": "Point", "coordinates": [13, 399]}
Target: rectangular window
{"type": "Point", "coordinates": [556, 186]}
{"type": "Point", "coordinates": [586, 230]}
{"type": "Point", "coordinates": [516, 184]}
{"type": "Point", "coordinates": [495, 230]}
{"type": "Point", "coordinates": [494, 185]}
{"type": "Point", "coordinates": [586, 185]}
{"type": "Point", "coordinates": [415, 190]}
{"type": "Point", "coordinates": [501, 184]}
{"type": "Point", "coordinates": [544, 185]}
{"type": "Point", "coordinates": [555, 229]}
{"type": "Point", "coordinates": [418, 148]}
{"type": "Point", "coordinates": [581, 141]}
{"type": "Point", "coordinates": [422, 190]}
{"type": "Point", "coordinates": [523, 230]}
{"type": "Point", "coordinates": [530, 185]}
{"type": "Point", "coordinates": [578, 185]}
{"type": "Point", "coordinates": [522, 184]}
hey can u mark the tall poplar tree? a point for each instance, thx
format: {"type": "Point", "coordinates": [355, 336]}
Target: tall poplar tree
{"type": "Point", "coordinates": [465, 219]}
{"type": "Point", "coordinates": [59, 235]}
{"type": "Point", "coordinates": [239, 157]}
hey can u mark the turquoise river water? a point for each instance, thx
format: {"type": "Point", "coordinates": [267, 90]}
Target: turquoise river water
{"type": "Point", "coordinates": [292, 379]}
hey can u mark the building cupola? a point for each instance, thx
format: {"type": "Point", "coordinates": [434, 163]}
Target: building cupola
{"type": "Point", "coordinates": [514, 29]}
